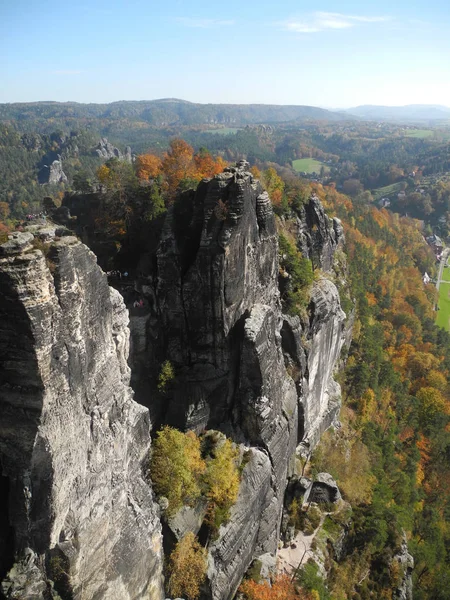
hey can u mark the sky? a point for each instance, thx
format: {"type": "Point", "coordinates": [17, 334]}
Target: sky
{"type": "Point", "coordinates": [324, 53]}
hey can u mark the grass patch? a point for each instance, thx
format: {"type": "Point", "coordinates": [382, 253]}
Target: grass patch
{"type": "Point", "coordinates": [387, 190]}
{"type": "Point", "coordinates": [308, 165]}
{"type": "Point", "coordinates": [446, 273]}
{"type": "Point", "coordinates": [420, 133]}
{"type": "Point", "coordinates": [224, 130]}
{"type": "Point", "coordinates": [443, 314]}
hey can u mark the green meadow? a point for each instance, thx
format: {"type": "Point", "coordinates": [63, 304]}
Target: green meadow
{"type": "Point", "coordinates": [308, 165]}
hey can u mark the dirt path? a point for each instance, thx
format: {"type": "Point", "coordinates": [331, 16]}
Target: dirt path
{"type": "Point", "coordinates": [289, 558]}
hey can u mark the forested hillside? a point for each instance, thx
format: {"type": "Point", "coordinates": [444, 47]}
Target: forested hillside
{"type": "Point", "coordinates": [397, 408]}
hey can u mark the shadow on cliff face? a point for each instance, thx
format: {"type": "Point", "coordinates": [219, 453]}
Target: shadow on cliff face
{"type": "Point", "coordinates": [22, 395]}
{"type": "Point", "coordinates": [6, 531]}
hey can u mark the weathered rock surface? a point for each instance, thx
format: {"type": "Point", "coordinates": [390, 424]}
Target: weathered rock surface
{"type": "Point", "coordinates": [216, 315]}
{"type": "Point", "coordinates": [106, 150]}
{"type": "Point", "coordinates": [73, 443]}
{"type": "Point", "coordinates": [312, 350]}
{"type": "Point", "coordinates": [405, 563]}
{"type": "Point", "coordinates": [319, 236]}
{"type": "Point", "coordinates": [52, 173]}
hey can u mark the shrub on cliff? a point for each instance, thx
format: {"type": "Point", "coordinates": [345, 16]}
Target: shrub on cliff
{"type": "Point", "coordinates": [166, 376]}
{"type": "Point", "coordinates": [221, 481]}
{"type": "Point", "coordinates": [176, 467]}
{"type": "Point", "coordinates": [281, 588]}
{"type": "Point", "coordinates": [187, 568]}
{"type": "Point", "coordinates": [296, 276]}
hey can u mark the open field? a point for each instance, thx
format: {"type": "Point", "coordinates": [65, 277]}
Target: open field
{"type": "Point", "coordinates": [446, 274]}
{"type": "Point", "coordinates": [223, 130]}
{"type": "Point", "coordinates": [308, 165]}
{"type": "Point", "coordinates": [420, 133]}
{"type": "Point", "coordinates": [443, 314]}
{"type": "Point", "coordinates": [387, 190]}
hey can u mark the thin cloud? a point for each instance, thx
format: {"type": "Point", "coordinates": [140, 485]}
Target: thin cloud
{"type": "Point", "coordinates": [66, 72]}
{"type": "Point", "coordinates": [322, 21]}
{"type": "Point", "coordinates": [204, 23]}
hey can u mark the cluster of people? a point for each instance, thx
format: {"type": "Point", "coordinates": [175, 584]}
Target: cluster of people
{"type": "Point", "coordinates": [138, 303]}
{"type": "Point", "coordinates": [34, 216]}
{"type": "Point", "coordinates": [117, 274]}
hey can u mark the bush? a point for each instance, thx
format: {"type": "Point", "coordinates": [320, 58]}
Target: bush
{"type": "Point", "coordinates": [221, 481]}
{"type": "Point", "coordinates": [187, 568]}
{"type": "Point", "coordinates": [298, 276]}
{"type": "Point", "coordinates": [166, 376]}
{"type": "Point", "coordinates": [176, 467]}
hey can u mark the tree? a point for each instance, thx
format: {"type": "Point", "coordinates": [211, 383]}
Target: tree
{"type": "Point", "coordinates": [148, 166]}
{"type": "Point", "coordinates": [282, 588]}
{"type": "Point", "coordinates": [222, 483]}
{"type": "Point", "coordinates": [177, 165]}
{"type": "Point", "coordinates": [432, 404]}
{"type": "Point", "coordinates": [274, 185]}
{"type": "Point", "coordinates": [4, 211]}
{"type": "Point", "coordinates": [187, 568]}
{"type": "Point", "coordinates": [176, 467]}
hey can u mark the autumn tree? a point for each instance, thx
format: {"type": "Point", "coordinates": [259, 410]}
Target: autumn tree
{"type": "Point", "coordinates": [176, 467]}
{"type": "Point", "coordinates": [222, 482]}
{"type": "Point", "coordinates": [181, 168]}
{"type": "Point", "coordinates": [274, 185]}
{"type": "Point", "coordinates": [4, 211]}
{"type": "Point", "coordinates": [187, 568]}
{"type": "Point", "coordinates": [177, 165]}
{"type": "Point", "coordinates": [148, 166]}
{"type": "Point", "coordinates": [206, 165]}
{"type": "Point", "coordinates": [281, 588]}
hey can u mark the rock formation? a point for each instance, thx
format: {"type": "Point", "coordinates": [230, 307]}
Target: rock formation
{"type": "Point", "coordinates": [52, 173]}
{"type": "Point", "coordinates": [73, 443]}
{"type": "Point", "coordinates": [106, 150]}
{"type": "Point", "coordinates": [216, 316]}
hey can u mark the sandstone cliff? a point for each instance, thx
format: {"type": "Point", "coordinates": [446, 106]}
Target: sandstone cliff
{"type": "Point", "coordinates": [215, 314]}
{"type": "Point", "coordinates": [73, 443]}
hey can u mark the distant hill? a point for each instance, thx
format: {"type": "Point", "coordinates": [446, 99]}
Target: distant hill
{"type": "Point", "coordinates": [411, 112]}
{"type": "Point", "coordinates": [166, 112]}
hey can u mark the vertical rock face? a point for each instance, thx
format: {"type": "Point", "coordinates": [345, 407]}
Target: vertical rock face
{"type": "Point", "coordinates": [216, 316]}
{"type": "Point", "coordinates": [73, 443]}
{"type": "Point", "coordinates": [312, 350]}
{"type": "Point", "coordinates": [52, 173]}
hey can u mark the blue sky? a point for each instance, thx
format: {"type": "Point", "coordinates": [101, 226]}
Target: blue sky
{"type": "Point", "coordinates": [333, 54]}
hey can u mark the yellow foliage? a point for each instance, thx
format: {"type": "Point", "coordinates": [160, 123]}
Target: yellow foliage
{"type": "Point", "coordinates": [222, 475]}
{"type": "Point", "coordinates": [348, 460]}
{"type": "Point", "coordinates": [176, 467]}
{"type": "Point", "coordinates": [103, 174]}
{"type": "Point", "coordinates": [187, 568]}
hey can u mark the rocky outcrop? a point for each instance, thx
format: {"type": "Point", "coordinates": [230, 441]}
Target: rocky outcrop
{"type": "Point", "coordinates": [106, 150]}
{"type": "Point", "coordinates": [318, 236]}
{"type": "Point", "coordinates": [52, 173]}
{"type": "Point", "coordinates": [216, 316]}
{"type": "Point", "coordinates": [73, 443]}
{"type": "Point", "coordinates": [263, 378]}
{"type": "Point", "coordinates": [86, 515]}
{"type": "Point", "coordinates": [312, 349]}
{"type": "Point", "coordinates": [402, 565]}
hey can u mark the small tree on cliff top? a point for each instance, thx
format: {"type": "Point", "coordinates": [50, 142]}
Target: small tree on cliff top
{"type": "Point", "coordinates": [176, 467]}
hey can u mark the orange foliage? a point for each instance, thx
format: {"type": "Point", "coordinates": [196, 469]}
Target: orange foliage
{"type": "Point", "coordinates": [180, 163]}
{"type": "Point", "coordinates": [282, 588]}
{"type": "Point", "coordinates": [206, 166]}
{"type": "Point", "coordinates": [148, 166]}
